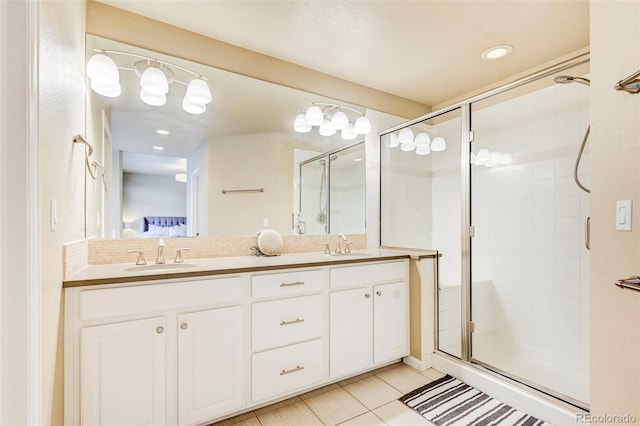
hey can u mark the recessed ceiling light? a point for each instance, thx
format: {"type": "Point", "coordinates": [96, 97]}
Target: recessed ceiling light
{"type": "Point", "coordinates": [158, 148]}
{"type": "Point", "coordinates": [497, 52]}
{"type": "Point", "coordinates": [162, 132]}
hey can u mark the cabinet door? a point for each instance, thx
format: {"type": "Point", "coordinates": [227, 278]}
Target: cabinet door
{"type": "Point", "coordinates": [210, 364]}
{"type": "Point", "coordinates": [350, 331]}
{"type": "Point", "coordinates": [123, 371]}
{"type": "Point", "coordinates": [390, 322]}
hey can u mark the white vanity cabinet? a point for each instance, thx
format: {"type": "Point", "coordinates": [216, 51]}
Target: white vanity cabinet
{"type": "Point", "coordinates": [288, 317]}
{"type": "Point", "coordinates": [123, 373]}
{"type": "Point", "coordinates": [210, 364]}
{"type": "Point", "coordinates": [368, 316]}
{"type": "Point", "coordinates": [195, 350]}
{"type": "Point", "coordinates": [161, 354]}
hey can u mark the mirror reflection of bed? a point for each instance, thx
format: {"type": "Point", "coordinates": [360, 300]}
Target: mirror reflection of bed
{"type": "Point", "coordinates": [163, 226]}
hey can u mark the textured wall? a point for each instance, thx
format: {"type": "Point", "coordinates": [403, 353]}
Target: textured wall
{"type": "Point", "coordinates": [615, 150]}
{"type": "Point", "coordinates": [61, 109]}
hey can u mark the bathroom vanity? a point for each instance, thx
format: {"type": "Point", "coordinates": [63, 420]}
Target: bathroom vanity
{"type": "Point", "coordinates": [193, 345]}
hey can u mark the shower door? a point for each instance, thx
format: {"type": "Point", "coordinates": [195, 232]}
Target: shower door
{"type": "Point", "coordinates": [529, 263]}
{"type": "Point", "coordinates": [313, 217]}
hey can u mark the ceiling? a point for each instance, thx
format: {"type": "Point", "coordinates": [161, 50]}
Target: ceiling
{"type": "Point", "coordinates": [426, 51]}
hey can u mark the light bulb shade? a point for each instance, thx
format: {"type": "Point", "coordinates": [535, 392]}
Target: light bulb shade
{"type": "Point", "coordinates": [483, 155]}
{"type": "Point", "coordinates": [422, 139]}
{"type": "Point", "coordinates": [314, 116]}
{"type": "Point", "coordinates": [393, 140]}
{"type": "Point", "coordinates": [408, 146]}
{"type": "Point", "coordinates": [438, 144]}
{"type": "Point", "coordinates": [300, 125]}
{"type": "Point", "coordinates": [339, 121]}
{"type": "Point", "coordinates": [198, 92]}
{"type": "Point", "coordinates": [193, 107]}
{"type": "Point", "coordinates": [405, 136]}
{"type": "Point", "coordinates": [423, 149]}
{"type": "Point", "coordinates": [102, 69]}
{"type": "Point", "coordinates": [362, 125]}
{"type": "Point", "coordinates": [326, 129]}
{"type": "Point", "coordinates": [154, 81]}
{"type": "Point", "coordinates": [112, 90]}
{"type": "Point", "coordinates": [491, 162]}
{"type": "Point", "coordinates": [153, 99]}
{"type": "Point", "coordinates": [349, 133]}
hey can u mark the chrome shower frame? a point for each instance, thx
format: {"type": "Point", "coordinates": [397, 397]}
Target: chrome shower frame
{"type": "Point", "coordinates": [466, 223]}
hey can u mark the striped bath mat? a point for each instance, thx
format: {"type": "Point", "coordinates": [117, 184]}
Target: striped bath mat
{"type": "Point", "coordinates": [450, 402]}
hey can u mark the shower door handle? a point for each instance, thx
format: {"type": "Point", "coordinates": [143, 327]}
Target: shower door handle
{"type": "Point", "coordinates": [587, 233]}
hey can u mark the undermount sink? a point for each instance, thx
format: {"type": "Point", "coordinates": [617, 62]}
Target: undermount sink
{"type": "Point", "coordinates": [353, 254]}
{"type": "Point", "coordinates": [162, 267]}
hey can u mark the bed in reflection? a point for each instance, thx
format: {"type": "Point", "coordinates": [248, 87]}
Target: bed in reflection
{"type": "Point", "coordinates": [164, 226]}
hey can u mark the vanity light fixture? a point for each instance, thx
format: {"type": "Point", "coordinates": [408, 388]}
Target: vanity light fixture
{"type": "Point", "coordinates": [329, 118]}
{"type": "Point", "coordinates": [497, 52]}
{"type": "Point", "coordinates": [155, 78]}
{"type": "Point", "coordinates": [421, 143]}
{"type": "Point", "coordinates": [488, 158]}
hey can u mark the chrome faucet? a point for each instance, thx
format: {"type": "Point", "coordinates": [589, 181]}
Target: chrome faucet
{"type": "Point", "coordinates": [179, 258]}
{"type": "Point", "coordinates": [160, 258]}
{"type": "Point", "coordinates": [338, 247]}
{"type": "Point", "coordinates": [140, 260]}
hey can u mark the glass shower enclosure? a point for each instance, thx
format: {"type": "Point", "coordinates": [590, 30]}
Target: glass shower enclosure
{"type": "Point", "coordinates": [332, 192]}
{"type": "Point", "coordinates": [503, 207]}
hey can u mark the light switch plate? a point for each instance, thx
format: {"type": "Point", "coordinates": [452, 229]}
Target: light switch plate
{"type": "Point", "coordinates": [624, 211]}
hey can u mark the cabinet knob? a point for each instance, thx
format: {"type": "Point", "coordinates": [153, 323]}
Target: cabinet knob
{"type": "Point", "coordinates": [184, 326]}
{"type": "Point", "coordinates": [160, 330]}
{"type": "Point", "coordinates": [367, 295]}
{"type": "Point", "coordinates": [379, 293]}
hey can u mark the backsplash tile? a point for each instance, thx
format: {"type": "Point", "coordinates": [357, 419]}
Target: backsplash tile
{"type": "Point", "coordinates": [75, 257]}
{"type": "Point", "coordinates": [116, 251]}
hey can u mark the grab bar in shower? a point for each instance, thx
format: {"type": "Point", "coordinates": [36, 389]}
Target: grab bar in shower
{"type": "Point", "coordinates": [226, 191]}
{"type": "Point", "coordinates": [632, 282]}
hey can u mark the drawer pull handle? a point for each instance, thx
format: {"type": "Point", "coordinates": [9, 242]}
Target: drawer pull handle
{"type": "Point", "coordinates": [293, 370]}
{"type": "Point", "coordinates": [184, 326]}
{"type": "Point", "coordinates": [379, 293]}
{"type": "Point", "coordinates": [367, 295]}
{"type": "Point", "coordinates": [160, 330]}
{"type": "Point", "coordinates": [292, 284]}
{"type": "Point", "coordinates": [295, 321]}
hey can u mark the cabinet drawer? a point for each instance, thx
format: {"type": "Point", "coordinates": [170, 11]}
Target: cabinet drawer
{"type": "Point", "coordinates": [286, 283]}
{"type": "Point", "coordinates": [286, 369]}
{"type": "Point", "coordinates": [114, 302]}
{"type": "Point", "coordinates": [368, 273]}
{"type": "Point", "coordinates": [282, 322]}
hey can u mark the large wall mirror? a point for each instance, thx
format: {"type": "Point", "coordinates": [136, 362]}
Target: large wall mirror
{"type": "Point", "coordinates": [232, 170]}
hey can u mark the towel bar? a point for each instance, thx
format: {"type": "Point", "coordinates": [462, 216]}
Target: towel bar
{"type": "Point", "coordinates": [226, 191]}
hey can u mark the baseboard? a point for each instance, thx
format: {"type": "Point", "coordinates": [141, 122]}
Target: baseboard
{"type": "Point", "coordinates": [416, 363]}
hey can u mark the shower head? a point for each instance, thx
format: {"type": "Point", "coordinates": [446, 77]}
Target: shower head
{"type": "Point", "coordinates": [566, 79]}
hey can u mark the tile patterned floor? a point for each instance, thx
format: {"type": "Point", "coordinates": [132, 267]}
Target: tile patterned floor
{"type": "Point", "coordinates": [370, 399]}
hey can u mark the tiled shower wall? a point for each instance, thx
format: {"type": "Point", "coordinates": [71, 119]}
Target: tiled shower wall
{"type": "Point", "coordinates": [530, 218]}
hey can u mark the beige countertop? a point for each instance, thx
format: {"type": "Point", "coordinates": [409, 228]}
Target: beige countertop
{"type": "Point", "coordinates": [129, 272]}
